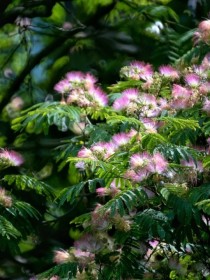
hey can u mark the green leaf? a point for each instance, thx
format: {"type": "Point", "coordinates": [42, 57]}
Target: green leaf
{"type": "Point", "coordinates": [24, 182]}
{"type": "Point", "coordinates": [7, 229]}
{"type": "Point", "coordinates": [204, 205]}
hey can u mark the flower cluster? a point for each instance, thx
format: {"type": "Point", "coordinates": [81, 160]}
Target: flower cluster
{"type": "Point", "coordinates": [80, 89]}
{"type": "Point", "coordinates": [203, 32]}
{"type": "Point", "coordinates": [10, 158]}
{"type": "Point", "coordinates": [144, 103]}
{"type": "Point", "coordinates": [104, 150]}
{"type": "Point", "coordinates": [142, 165]}
{"type": "Point", "coordinates": [5, 199]}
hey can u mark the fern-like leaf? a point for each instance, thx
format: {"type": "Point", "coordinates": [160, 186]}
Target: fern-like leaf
{"type": "Point", "coordinates": [24, 182]}
{"type": "Point", "coordinates": [39, 117]}
{"type": "Point", "coordinates": [7, 229]}
{"type": "Point", "coordinates": [70, 194]}
{"type": "Point", "coordinates": [64, 271]}
{"type": "Point", "coordinates": [126, 200]}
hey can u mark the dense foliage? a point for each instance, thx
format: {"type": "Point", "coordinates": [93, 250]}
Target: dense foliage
{"type": "Point", "coordinates": [103, 179]}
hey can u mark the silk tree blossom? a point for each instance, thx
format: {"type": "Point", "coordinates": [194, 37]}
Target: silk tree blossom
{"type": "Point", "coordinates": [193, 80]}
{"type": "Point", "coordinates": [80, 165]}
{"type": "Point", "coordinates": [100, 150]}
{"type": "Point", "coordinates": [169, 72]}
{"type": "Point", "coordinates": [80, 89]}
{"type": "Point", "coordinates": [204, 31]}
{"type": "Point", "coordinates": [204, 88]}
{"type": "Point", "coordinates": [195, 165]}
{"type": "Point", "coordinates": [121, 139]}
{"type": "Point", "coordinates": [61, 256]}
{"type": "Point", "coordinates": [88, 243]}
{"type": "Point", "coordinates": [143, 165]}
{"type": "Point", "coordinates": [181, 97]}
{"type": "Point", "coordinates": [98, 96]}
{"type": "Point", "coordinates": [150, 125]}
{"type": "Point", "coordinates": [137, 70]}
{"type": "Point", "coordinates": [85, 153]}
{"type": "Point", "coordinates": [62, 86]}
{"type": "Point", "coordinates": [5, 199]}
{"type": "Point", "coordinates": [10, 158]}
{"type": "Point", "coordinates": [128, 96]}
{"type": "Point", "coordinates": [148, 106]}
{"type": "Point", "coordinates": [103, 150]}
{"type": "Point", "coordinates": [100, 221]}
{"type": "Point", "coordinates": [121, 103]}
{"type": "Point", "coordinates": [112, 190]}
{"type": "Point", "coordinates": [140, 160]}
{"type": "Point", "coordinates": [160, 163]}
{"type": "Point", "coordinates": [153, 245]}
{"type": "Point", "coordinates": [83, 257]}
{"type": "Point", "coordinates": [206, 105]}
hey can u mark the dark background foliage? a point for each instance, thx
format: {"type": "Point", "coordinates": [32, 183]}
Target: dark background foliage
{"type": "Point", "coordinates": [40, 42]}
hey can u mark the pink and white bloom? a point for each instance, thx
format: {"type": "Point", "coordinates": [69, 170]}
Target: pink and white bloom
{"type": "Point", "coordinates": [121, 139]}
{"type": "Point", "coordinates": [121, 103]}
{"type": "Point", "coordinates": [83, 257]}
{"type": "Point", "coordinates": [85, 153]}
{"type": "Point", "coordinates": [150, 125]}
{"type": "Point", "coordinates": [169, 72]}
{"type": "Point", "coordinates": [204, 88]}
{"type": "Point", "coordinates": [11, 158]}
{"type": "Point", "coordinates": [198, 166]}
{"type": "Point", "coordinates": [192, 80]}
{"type": "Point", "coordinates": [140, 160]}
{"type": "Point", "coordinates": [206, 105]}
{"type": "Point", "coordinates": [179, 92]}
{"type": "Point", "coordinates": [98, 96]}
{"type": "Point", "coordinates": [160, 163]}
{"type": "Point", "coordinates": [88, 243]}
{"type": "Point", "coordinates": [61, 256]}
{"type": "Point", "coordinates": [62, 86]}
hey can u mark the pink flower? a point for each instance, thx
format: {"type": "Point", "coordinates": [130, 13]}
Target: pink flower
{"type": "Point", "coordinates": [101, 191]}
{"type": "Point", "coordinates": [75, 77]}
{"type": "Point", "coordinates": [153, 244]}
{"type": "Point", "coordinates": [62, 86]}
{"type": "Point", "coordinates": [88, 243]}
{"type": "Point", "coordinates": [90, 80]}
{"type": "Point", "coordinates": [180, 103]}
{"type": "Point", "coordinates": [160, 163]}
{"type": "Point", "coordinates": [198, 166]}
{"type": "Point", "coordinates": [120, 139]}
{"type": "Point", "coordinates": [204, 88]}
{"type": "Point", "coordinates": [99, 221]}
{"type": "Point", "coordinates": [180, 92]}
{"type": "Point", "coordinates": [85, 153]}
{"type": "Point", "coordinates": [150, 125]}
{"type": "Point", "coordinates": [121, 103]}
{"type": "Point", "coordinates": [163, 104]}
{"type": "Point", "coordinates": [131, 93]}
{"type": "Point", "coordinates": [99, 97]}
{"type": "Point", "coordinates": [139, 160]}
{"type": "Point", "coordinates": [83, 257]}
{"type": "Point", "coordinates": [103, 150]}
{"type": "Point", "coordinates": [148, 105]}
{"type": "Point", "coordinates": [5, 199]}
{"type": "Point", "coordinates": [193, 80]}
{"type": "Point", "coordinates": [169, 72]}
{"type": "Point", "coordinates": [206, 105]}
{"type": "Point", "coordinates": [80, 165]}
{"type": "Point", "coordinates": [204, 30]}
{"type": "Point", "coordinates": [61, 256]}
{"type": "Point", "coordinates": [142, 69]}
{"type": "Point", "coordinates": [11, 158]}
